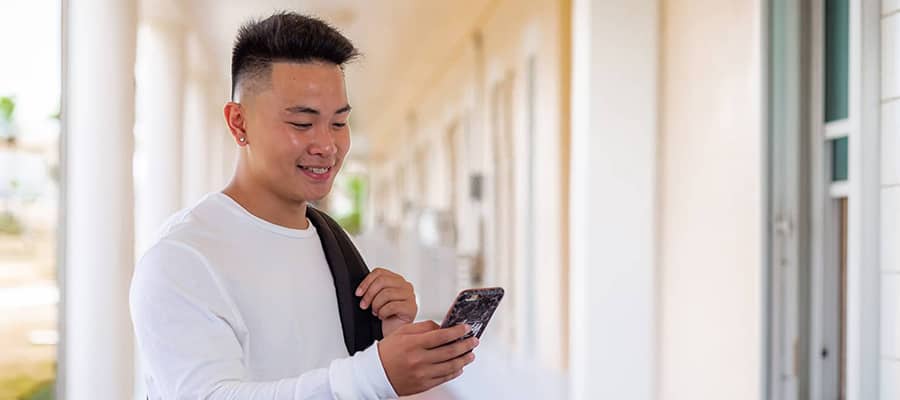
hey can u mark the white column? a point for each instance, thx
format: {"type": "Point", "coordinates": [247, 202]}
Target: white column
{"type": "Point", "coordinates": [216, 130]}
{"type": "Point", "coordinates": [197, 150]}
{"type": "Point", "coordinates": [203, 123]}
{"type": "Point", "coordinates": [160, 99]}
{"type": "Point", "coordinates": [97, 347]}
{"type": "Point", "coordinates": [890, 202]}
{"type": "Point", "coordinates": [613, 199]}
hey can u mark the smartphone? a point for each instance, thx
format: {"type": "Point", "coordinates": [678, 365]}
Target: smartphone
{"type": "Point", "coordinates": [474, 307]}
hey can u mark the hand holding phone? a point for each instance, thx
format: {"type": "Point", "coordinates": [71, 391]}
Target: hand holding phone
{"type": "Point", "coordinates": [420, 356]}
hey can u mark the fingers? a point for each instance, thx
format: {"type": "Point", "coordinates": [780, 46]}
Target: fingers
{"type": "Point", "coordinates": [451, 351]}
{"type": "Point", "coordinates": [441, 337]}
{"type": "Point", "coordinates": [412, 362]}
{"type": "Point", "coordinates": [444, 379]}
{"type": "Point", "coordinates": [373, 290]}
{"type": "Point", "coordinates": [420, 327]}
{"type": "Point", "coordinates": [388, 295]}
{"type": "Point", "coordinates": [404, 310]}
{"type": "Point", "coordinates": [371, 277]}
{"type": "Point", "coordinates": [401, 289]}
{"type": "Point", "coordinates": [451, 367]}
{"type": "Point", "coordinates": [364, 285]}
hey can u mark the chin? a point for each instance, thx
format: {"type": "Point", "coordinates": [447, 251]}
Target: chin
{"type": "Point", "coordinates": [316, 195]}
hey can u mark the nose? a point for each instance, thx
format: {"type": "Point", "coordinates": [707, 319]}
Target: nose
{"type": "Point", "coordinates": [322, 142]}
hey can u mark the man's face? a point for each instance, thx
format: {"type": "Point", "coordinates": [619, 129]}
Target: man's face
{"type": "Point", "coordinates": [297, 130]}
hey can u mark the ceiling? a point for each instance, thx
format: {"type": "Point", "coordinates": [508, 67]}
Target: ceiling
{"type": "Point", "coordinates": [402, 41]}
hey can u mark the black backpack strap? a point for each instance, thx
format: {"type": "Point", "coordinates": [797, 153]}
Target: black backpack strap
{"type": "Point", "coordinates": [348, 269]}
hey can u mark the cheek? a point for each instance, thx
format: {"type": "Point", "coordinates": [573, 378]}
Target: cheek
{"type": "Point", "coordinates": [291, 140]}
{"type": "Point", "coordinates": [289, 144]}
{"type": "Point", "coordinates": [281, 147]}
{"type": "Point", "coordinates": [342, 142]}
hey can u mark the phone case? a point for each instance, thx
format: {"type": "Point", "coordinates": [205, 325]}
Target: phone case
{"type": "Point", "coordinates": [474, 307]}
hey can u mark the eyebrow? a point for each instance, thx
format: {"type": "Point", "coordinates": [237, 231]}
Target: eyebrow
{"type": "Point", "coordinates": [310, 110]}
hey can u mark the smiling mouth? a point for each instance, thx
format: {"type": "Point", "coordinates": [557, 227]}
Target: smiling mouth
{"type": "Point", "coordinates": [316, 170]}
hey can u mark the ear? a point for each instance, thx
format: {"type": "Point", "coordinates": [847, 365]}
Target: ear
{"type": "Point", "coordinates": [234, 118]}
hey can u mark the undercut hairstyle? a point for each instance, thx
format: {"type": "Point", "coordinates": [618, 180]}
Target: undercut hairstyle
{"type": "Point", "coordinates": [285, 37]}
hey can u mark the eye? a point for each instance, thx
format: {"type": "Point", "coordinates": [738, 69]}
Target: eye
{"type": "Point", "coordinates": [300, 126]}
{"type": "Point", "coordinates": [339, 124]}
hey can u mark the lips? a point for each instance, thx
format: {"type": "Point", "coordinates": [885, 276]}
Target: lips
{"type": "Point", "coordinates": [319, 173]}
{"type": "Point", "coordinates": [316, 170]}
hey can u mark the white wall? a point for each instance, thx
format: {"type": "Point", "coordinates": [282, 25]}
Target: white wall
{"type": "Point", "coordinates": [711, 201]}
{"type": "Point", "coordinates": [538, 32]}
{"type": "Point", "coordinates": [509, 31]}
{"type": "Point", "coordinates": [890, 201]}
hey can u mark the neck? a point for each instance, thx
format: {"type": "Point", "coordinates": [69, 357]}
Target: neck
{"type": "Point", "coordinates": [264, 203]}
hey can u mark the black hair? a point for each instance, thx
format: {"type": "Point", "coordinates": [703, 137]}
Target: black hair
{"type": "Point", "coordinates": [286, 36]}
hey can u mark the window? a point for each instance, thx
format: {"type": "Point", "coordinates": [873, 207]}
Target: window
{"type": "Point", "coordinates": [844, 199]}
{"type": "Point", "coordinates": [834, 141]}
{"type": "Point", "coordinates": [819, 139]}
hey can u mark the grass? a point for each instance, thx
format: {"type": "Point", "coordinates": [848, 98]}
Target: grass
{"type": "Point", "coordinates": [36, 385]}
{"type": "Point", "coordinates": [44, 391]}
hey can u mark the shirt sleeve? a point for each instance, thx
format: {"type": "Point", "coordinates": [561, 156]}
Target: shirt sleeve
{"type": "Point", "coordinates": [189, 338]}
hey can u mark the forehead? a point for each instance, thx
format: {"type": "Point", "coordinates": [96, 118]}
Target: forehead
{"type": "Point", "coordinates": [313, 79]}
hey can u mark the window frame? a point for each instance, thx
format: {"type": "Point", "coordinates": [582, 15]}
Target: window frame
{"type": "Point", "coordinates": [802, 205]}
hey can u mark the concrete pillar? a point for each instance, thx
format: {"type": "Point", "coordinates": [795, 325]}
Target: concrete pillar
{"type": "Point", "coordinates": [615, 59]}
{"type": "Point", "coordinates": [197, 151]}
{"type": "Point", "coordinates": [711, 303]}
{"type": "Point", "coordinates": [97, 347]}
{"type": "Point", "coordinates": [160, 99]}
{"type": "Point", "coordinates": [215, 127]}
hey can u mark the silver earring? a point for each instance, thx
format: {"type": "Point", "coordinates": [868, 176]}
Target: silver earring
{"type": "Point", "coordinates": [243, 139]}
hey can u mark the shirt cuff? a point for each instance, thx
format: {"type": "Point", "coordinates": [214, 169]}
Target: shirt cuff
{"type": "Point", "coordinates": [360, 377]}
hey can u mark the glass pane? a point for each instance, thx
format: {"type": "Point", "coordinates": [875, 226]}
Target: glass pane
{"type": "Point", "coordinates": [837, 66]}
{"type": "Point", "coordinates": [839, 159]}
{"type": "Point", "coordinates": [29, 186]}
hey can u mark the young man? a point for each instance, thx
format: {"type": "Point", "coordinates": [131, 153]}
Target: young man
{"type": "Point", "coordinates": [253, 294]}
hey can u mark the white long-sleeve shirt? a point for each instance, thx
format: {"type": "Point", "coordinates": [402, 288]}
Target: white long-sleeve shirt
{"type": "Point", "coordinates": [229, 306]}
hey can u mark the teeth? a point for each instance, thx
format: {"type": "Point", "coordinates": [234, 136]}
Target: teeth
{"type": "Point", "coordinates": [317, 170]}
